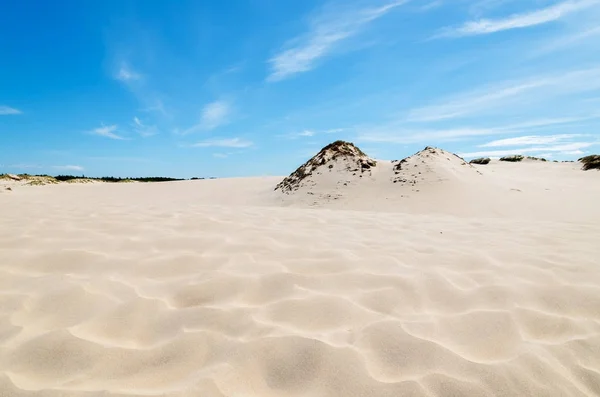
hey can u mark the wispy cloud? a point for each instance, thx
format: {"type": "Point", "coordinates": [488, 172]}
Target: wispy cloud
{"type": "Point", "coordinates": [214, 114]}
{"type": "Point", "coordinates": [156, 105]}
{"type": "Point", "coordinates": [23, 166]}
{"type": "Point", "coordinates": [140, 86]}
{"type": "Point", "coordinates": [564, 149]}
{"type": "Point", "coordinates": [519, 21]}
{"type": "Point", "coordinates": [143, 129]}
{"type": "Point", "coordinates": [498, 95]}
{"type": "Point", "coordinates": [311, 133]}
{"type": "Point", "coordinates": [471, 102]}
{"type": "Point", "coordinates": [231, 142]}
{"type": "Point", "coordinates": [568, 41]}
{"type": "Point", "coordinates": [433, 4]}
{"type": "Point", "coordinates": [68, 167]}
{"type": "Point", "coordinates": [127, 74]}
{"type": "Point", "coordinates": [541, 145]}
{"type": "Point", "coordinates": [123, 159]}
{"type": "Point", "coordinates": [402, 135]}
{"type": "Point", "coordinates": [301, 134]}
{"type": "Point", "coordinates": [532, 140]}
{"type": "Point", "coordinates": [7, 110]}
{"type": "Point", "coordinates": [107, 131]}
{"type": "Point", "coordinates": [480, 7]}
{"type": "Point", "coordinates": [329, 28]}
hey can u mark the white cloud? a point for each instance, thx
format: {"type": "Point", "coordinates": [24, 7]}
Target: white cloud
{"type": "Point", "coordinates": [156, 106]}
{"type": "Point", "coordinates": [430, 6]}
{"type": "Point", "coordinates": [494, 97]}
{"type": "Point", "coordinates": [532, 140]}
{"type": "Point", "coordinates": [567, 41]}
{"type": "Point", "coordinates": [518, 21]}
{"type": "Point", "coordinates": [306, 133]}
{"type": "Point", "coordinates": [214, 114]}
{"type": "Point", "coordinates": [143, 129]}
{"type": "Point", "coordinates": [107, 131]}
{"type": "Point", "coordinates": [220, 155]}
{"type": "Point", "coordinates": [126, 74]}
{"type": "Point", "coordinates": [569, 148]}
{"type": "Point", "coordinates": [6, 110]}
{"type": "Point", "coordinates": [482, 6]}
{"type": "Point", "coordinates": [401, 135]}
{"type": "Point", "coordinates": [467, 104]}
{"type": "Point", "coordinates": [310, 133]}
{"type": "Point", "coordinates": [68, 167]}
{"type": "Point", "coordinates": [23, 166]}
{"type": "Point", "coordinates": [231, 142]}
{"type": "Point", "coordinates": [330, 27]}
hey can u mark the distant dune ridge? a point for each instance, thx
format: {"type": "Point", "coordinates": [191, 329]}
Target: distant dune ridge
{"type": "Point", "coordinates": [343, 176]}
{"type": "Point", "coordinates": [343, 164]}
{"type": "Point", "coordinates": [352, 277]}
{"type": "Point", "coordinates": [342, 170]}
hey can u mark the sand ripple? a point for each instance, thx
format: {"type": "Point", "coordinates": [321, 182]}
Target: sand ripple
{"type": "Point", "coordinates": [249, 301]}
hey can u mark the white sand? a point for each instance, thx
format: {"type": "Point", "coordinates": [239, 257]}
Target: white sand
{"type": "Point", "coordinates": [485, 282]}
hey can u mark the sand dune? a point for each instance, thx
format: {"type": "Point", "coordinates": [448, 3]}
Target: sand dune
{"type": "Point", "coordinates": [481, 280]}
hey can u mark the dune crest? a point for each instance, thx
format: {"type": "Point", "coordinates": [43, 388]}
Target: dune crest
{"type": "Point", "coordinates": [338, 157]}
{"type": "Point", "coordinates": [432, 165]}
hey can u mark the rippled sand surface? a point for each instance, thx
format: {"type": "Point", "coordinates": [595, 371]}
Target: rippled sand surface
{"type": "Point", "coordinates": [144, 290]}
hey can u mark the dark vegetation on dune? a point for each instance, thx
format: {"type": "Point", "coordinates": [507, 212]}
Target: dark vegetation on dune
{"type": "Point", "coordinates": [343, 148]}
{"type": "Point", "coordinates": [480, 161]}
{"type": "Point", "coordinates": [331, 152]}
{"type": "Point", "coordinates": [536, 158]}
{"type": "Point", "coordinates": [591, 162]}
{"type": "Point", "coordinates": [517, 157]}
{"type": "Point", "coordinates": [65, 178]}
{"type": "Point", "coordinates": [513, 159]}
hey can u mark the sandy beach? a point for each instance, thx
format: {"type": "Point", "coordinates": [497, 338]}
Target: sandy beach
{"type": "Point", "coordinates": [430, 277]}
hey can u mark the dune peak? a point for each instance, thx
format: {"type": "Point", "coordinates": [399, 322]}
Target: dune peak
{"type": "Point", "coordinates": [431, 165]}
{"type": "Point", "coordinates": [339, 155]}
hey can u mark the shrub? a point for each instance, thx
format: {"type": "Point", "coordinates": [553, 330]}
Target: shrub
{"type": "Point", "coordinates": [513, 159]}
{"type": "Point", "coordinates": [536, 158]}
{"type": "Point", "coordinates": [590, 162]}
{"type": "Point", "coordinates": [481, 160]}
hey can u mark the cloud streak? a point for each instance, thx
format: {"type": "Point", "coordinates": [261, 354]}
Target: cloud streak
{"type": "Point", "coordinates": [127, 74]}
{"type": "Point", "coordinates": [144, 130]}
{"type": "Point", "coordinates": [107, 131]}
{"type": "Point", "coordinates": [7, 110]}
{"type": "Point", "coordinates": [532, 140]}
{"type": "Point", "coordinates": [68, 167]}
{"type": "Point", "coordinates": [327, 30]}
{"type": "Point", "coordinates": [231, 143]}
{"type": "Point", "coordinates": [519, 21]}
{"type": "Point", "coordinates": [403, 135]}
{"type": "Point", "coordinates": [540, 88]}
{"type": "Point", "coordinates": [565, 149]}
{"type": "Point", "coordinates": [311, 133]}
{"type": "Point", "coordinates": [213, 115]}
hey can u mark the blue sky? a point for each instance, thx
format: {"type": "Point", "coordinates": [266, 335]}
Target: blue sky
{"type": "Point", "coordinates": [255, 87]}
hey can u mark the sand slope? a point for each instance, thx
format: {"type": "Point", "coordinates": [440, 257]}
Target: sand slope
{"type": "Point", "coordinates": [229, 288]}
